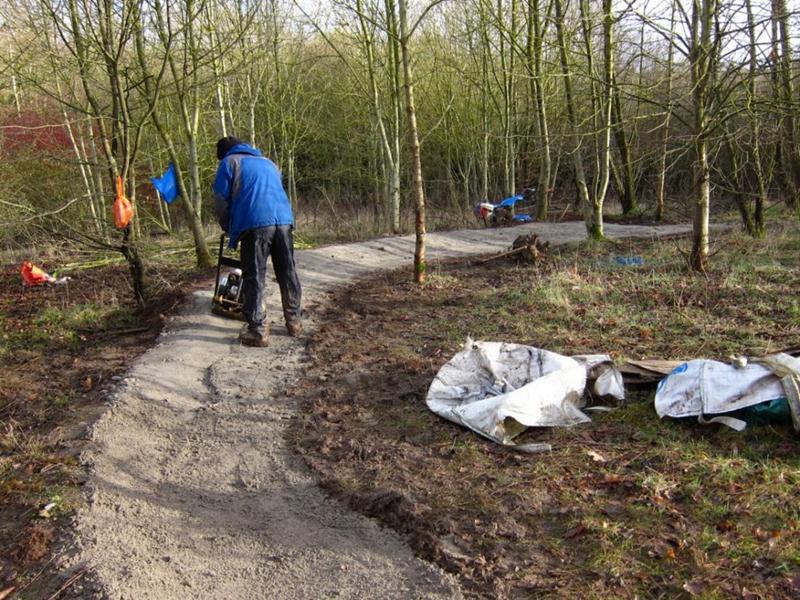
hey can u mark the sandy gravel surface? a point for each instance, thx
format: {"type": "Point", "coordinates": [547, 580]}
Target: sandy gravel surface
{"type": "Point", "coordinates": [193, 491]}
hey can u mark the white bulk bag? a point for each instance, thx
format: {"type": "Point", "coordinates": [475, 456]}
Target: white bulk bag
{"type": "Point", "coordinates": [707, 389]}
{"type": "Point", "coordinates": [498, 389]}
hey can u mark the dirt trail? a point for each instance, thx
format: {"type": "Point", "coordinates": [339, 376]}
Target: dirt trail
{"type": "Point", "coordinates": [194, 493]}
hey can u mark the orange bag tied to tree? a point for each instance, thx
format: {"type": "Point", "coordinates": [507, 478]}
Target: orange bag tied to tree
{"type": "Point", "coordinates": [123, 209]}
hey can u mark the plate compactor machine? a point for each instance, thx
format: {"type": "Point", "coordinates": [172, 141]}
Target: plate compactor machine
{"type": "Point", "coordinates": [228, 299]}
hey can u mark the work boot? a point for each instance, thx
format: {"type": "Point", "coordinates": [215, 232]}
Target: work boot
{"type": "Point", "coordinates": [251, 337]}
{"type": "Point", "coordinates": [294, 327]}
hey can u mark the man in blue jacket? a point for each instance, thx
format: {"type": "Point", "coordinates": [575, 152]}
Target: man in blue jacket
{"type": "Point", "coordinates": [252, 207]}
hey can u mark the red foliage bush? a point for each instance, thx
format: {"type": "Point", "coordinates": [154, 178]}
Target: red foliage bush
{"type": "Point", "coordinates": [33, 132]}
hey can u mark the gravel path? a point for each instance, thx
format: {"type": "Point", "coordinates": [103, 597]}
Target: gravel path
{"type": "Point", "coordinates": [193, 491]}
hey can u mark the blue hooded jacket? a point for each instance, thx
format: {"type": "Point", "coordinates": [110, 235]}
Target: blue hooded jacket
{"type": "Point", "coordinates": [248, 193]}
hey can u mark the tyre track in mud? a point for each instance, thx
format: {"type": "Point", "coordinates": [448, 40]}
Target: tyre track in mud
{"type": "Point", "coordinates": [193, 492]}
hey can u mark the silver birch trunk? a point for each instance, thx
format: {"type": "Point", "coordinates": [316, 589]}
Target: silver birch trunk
{"type": "Point", "coordinates": [396, 79]}
{"type": "Point", "coordinates": [662, 168]}
{"type": "Point", "coordinates": [594, 96]}
{"type": "Point", "coordinates": [387, 157]}
{"type": "Point", "coordinates": [152, 94]}
{"type": "Point", "coordinates": [702, 63]}
{"type": "Point", "coordinates": [507, 53]}
{"type": "Point", "coordinates": [536, 31]}
{"type": "Point", "coordinates": [484, 103]}
{"type": "Point", "coordinates": [577, 155]}
{"type": "Point", "coordinates": [83, 167]}
{"type": "Point", "coordinates": [15, 91]}
{"type": "Point", "coordinates": [219, 96]}
{"type": "Point", "coordinates": [97, 174]}
{"type": "Point", "coordinates": [791, 152]}
{"type": "Point", "coordinates": [420, 266]}
{"type": "Point", "coordinates": [755, 128]}
{"type": "Point", "coordinates": [608, 80]}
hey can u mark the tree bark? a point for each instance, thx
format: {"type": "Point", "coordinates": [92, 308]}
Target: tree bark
{"type": "Point", "coordinates": [420, 266]}
{"type": "Point", "coordinates": [107, 40]}
{"type": "Point", "coordinates": [507, 53]}
{"type": "Point", "coordinates": [757, 223]}
{"type": "Point", "coordinates": [702, 64]}
{"type": "Point", "coordinates": [662, 170]}
{"type": "Point", "coordinates": [536, 40]}
{"type": "Point", "coordinates": [628, 197]}
{"type": "Point", "coordinates": [594, 228]}
{"type": "Point", "coordinates": [791, 151]}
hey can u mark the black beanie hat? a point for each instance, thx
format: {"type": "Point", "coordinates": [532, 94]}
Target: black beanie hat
{"type": "Point", "coordinates": [225, 144]}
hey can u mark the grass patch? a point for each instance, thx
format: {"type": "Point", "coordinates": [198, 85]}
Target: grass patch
{"type": "Point", "coordinates": [59, 349]}
{"type": "Point", "coordinates": [673, 506]}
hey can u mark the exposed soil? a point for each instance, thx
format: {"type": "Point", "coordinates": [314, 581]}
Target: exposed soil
{"type": "Point", "coordinates": [74, 359]}
{"type": "Point", "coordinates": [624, 507]}
{"type": "Point", "coordinates": [62, 350]}
{"type": "Point", "coordinates": [193, 490]}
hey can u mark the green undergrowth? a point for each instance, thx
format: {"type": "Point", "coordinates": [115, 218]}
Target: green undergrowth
{"type": "Point", "coordinates": [582, 300]}
{"type": "Point", "coordinates": [628, 506]}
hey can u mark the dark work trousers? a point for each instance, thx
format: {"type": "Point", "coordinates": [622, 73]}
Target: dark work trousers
{"type": "Point", "coordinates": [257, 246]}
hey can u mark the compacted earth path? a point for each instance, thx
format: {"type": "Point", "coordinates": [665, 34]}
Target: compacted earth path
{"type": "Point", "coordinates": [193, 491]}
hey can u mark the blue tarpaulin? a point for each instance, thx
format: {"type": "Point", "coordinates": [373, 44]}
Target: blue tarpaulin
{"type": "Point", "coordinates": [167, 184]}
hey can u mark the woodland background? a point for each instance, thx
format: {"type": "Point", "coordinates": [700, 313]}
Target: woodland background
{"type": "Point", "coordinates": [389, 114]}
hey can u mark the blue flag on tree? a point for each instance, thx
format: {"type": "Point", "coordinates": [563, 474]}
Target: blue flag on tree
{"type": "Point", "coordinates": [167, 184]}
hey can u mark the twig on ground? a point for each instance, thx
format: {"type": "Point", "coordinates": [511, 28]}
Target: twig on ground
{"type": "Point", "coordinates": [69, 582]}
{"type": "Point", "coordinates": [686, 258]}
{"type": "Point", "coordinates": [35, 577]}
{"type": "Point", "coordinates": [114, 331]}
{"type": "Point", "coordinates": [501, 255]}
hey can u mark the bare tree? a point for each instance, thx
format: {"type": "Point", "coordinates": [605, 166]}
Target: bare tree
{"type": "Point", "coordinates": [662, 162]}
{"type": "Point", "coordinates": [152, 80]}
{"type": "Point", "coordinates": [703, 54]}
{"type": "Point", "coordinates": [594, 226]}
{"type": "Point", "coordinates": [536, 32]}
{"type": "Point", "coordinates": [755, 223]}
{"type": "Point", "coordinates": [790, 151]}
{"type": "Point", "coordinates": [420, 265]}
{"type": "Point", "coordinates": [627, 188]}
